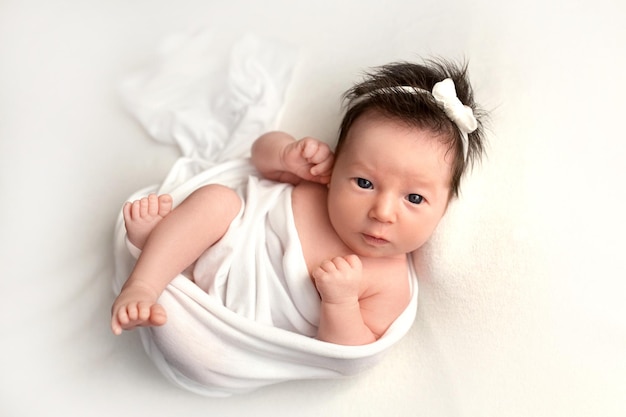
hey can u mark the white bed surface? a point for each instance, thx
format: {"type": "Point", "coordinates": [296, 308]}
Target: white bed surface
{"type": "Point", "coordinates": [521, 310]}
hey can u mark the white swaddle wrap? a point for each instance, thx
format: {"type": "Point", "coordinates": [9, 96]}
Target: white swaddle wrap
{"type": "Point", "coordinates": [249, 319]}
{"type": "Point", "coordinates": [257, 269]}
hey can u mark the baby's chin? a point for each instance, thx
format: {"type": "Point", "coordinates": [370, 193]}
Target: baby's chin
{"type": "Point", "coordinates": [378, 254]}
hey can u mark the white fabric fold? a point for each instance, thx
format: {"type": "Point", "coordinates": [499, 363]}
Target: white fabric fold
{"type": "Point", "coordinates": [257, 269]}
{"type": "Point", "coordinates": [209, 105]}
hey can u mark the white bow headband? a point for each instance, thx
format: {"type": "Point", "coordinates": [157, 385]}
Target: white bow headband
{"type": "Point", "coordinates": [444, 94]}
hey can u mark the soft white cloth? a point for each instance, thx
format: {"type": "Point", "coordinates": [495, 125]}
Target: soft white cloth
{"type": "Point", "coordinates": [210, 102]}
{"type": "Point", "coordinates": [258, 269]}
{"type": "Point", "coordinates": [251, 323]}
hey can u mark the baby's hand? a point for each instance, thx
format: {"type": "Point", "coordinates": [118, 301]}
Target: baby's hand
{"type": "Point", "coordinates": [309, 159]}
{"type": "Point", "coordinates": [339, 280]}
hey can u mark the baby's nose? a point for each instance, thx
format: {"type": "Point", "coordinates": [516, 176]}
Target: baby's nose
{"type": "Point", "coordinates": [384, 209]}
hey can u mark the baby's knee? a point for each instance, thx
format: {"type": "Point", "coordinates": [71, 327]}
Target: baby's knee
{"type": "Point", "coordinates": [219, 195]}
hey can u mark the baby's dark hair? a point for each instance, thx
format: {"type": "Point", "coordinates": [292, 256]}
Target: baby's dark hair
{"type": "Point", "coordinates": [380, 92]}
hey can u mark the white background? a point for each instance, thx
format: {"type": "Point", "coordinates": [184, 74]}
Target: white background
{"type": "Point", "coordinates": [521, 290]}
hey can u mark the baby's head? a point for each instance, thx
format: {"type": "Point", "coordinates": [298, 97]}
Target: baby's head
{"type": "Point", "coordinates": [418, 96]}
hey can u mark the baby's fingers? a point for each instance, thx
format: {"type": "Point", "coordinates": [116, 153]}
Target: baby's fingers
{"type": "Point", "coordinates": [353, 260]}
{"type": "Point", "coordinates": [327, 266]}
{"type": "Point", "coordinates": [309, 147]}
{"type": "Point", "coordinates": [341, 264]}
{"type": "Point", "coordinates": [324, 167]}
{"type": "Point", "coordinates": [314, 150]}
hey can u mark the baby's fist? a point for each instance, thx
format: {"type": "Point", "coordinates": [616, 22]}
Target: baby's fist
{"type": "Point", "coordinates": [339, 280]}
{"type": "Point", "coordinates": [310, 159]}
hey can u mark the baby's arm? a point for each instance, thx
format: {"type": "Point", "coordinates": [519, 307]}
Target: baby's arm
{"type": "Point", "coordinates": [341, 320]}
{"type": "Point", "coordinates": [278, 156]}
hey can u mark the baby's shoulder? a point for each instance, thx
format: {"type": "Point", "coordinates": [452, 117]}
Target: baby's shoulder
{"type": "Point", "coordinates": [318, 238]}
{"type": "Point", "coordinates": [307, 190]}
{"type": "Point", "coordinates": [309, 201]}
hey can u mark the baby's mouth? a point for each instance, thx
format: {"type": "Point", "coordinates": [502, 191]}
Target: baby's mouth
{"type": "Point", "coordinates": [374, 240]}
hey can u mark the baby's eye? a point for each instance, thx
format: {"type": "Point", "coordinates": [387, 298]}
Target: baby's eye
{"type": "Point", "coordinates": [415, 198]}
{"type": "Point", "coordinates": [363, 183]}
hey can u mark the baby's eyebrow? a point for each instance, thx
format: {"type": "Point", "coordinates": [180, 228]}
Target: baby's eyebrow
{"type": "Point", "coordinates": [419, 182]}
{"type": "Point", "coordinates": [361, 165]}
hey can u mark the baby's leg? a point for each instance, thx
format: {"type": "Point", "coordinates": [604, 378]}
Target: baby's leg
{"type": "Point", "coordinates": [174, 243]}
{"type": "Point", "coordinates": [141, 216]}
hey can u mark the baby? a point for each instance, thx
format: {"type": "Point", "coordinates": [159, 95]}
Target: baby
{"type": "Point", "coordinates": [409, 133]}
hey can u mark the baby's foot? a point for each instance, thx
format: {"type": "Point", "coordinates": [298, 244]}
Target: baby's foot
{"type": "Point", "coordinates": [141, 216]}
{"type": "Point", "coordinates": [136, 306]}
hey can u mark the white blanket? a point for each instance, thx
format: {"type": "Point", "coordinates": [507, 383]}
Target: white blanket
{"type": "Point", "coordinates": [251, 324]}
{"type": "Point", "coordinates": [257, 269]}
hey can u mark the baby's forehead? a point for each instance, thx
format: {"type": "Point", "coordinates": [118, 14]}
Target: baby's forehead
{"type": "Point", "coordinates": [398, 148]}
{"type": "Point", "coordinates": [396, 144]}
{"type": "Point", "coordinates": [373, 120]}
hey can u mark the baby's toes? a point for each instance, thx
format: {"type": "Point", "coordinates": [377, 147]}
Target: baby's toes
{"type": "Point", "coordinates": [127, 211]}
{"type": "Point", "coordinates": [165, 203]}
{"type": "Point", "coordinates": [116, 326]}
{"type": "Point", "coordinates": [133, 312]}
{"type": "Point", "coordinates": [153, 205]}
{"type": "Point", "coordinates": [134, 210]}
{"type": "Point", "coordinates": [143, 311]}
{"type": "Point", "coordinates": [144, 205]}
{"type": "Point", "coordinates": [122, 316]}
{"type": "Point", "coordinates": [158, 316]}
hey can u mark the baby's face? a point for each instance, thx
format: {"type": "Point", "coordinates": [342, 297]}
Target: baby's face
{"type": "Point", "coordinates": [390, 187]}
